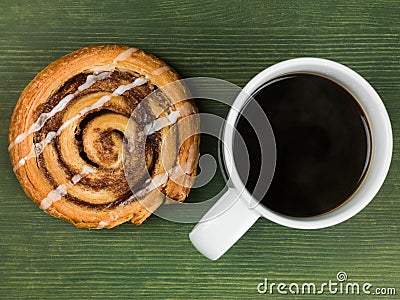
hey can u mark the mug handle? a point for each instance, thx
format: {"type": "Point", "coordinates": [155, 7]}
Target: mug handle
{"type": "Point", "coordinates": [223, 225]}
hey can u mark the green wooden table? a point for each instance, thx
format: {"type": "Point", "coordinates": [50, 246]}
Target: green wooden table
{"type": "Point", "coordinates": [45, 258]}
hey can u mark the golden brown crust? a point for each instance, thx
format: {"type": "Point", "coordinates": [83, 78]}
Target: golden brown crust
{"type": "Point", "coordinates": [58, 177]}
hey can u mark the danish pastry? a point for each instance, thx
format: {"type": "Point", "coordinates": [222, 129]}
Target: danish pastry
{"type": "Point", "coordinates": [72, 123]}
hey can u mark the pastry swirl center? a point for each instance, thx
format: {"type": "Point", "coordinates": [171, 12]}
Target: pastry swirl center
{"type": "Point", "coordinates": [89, 131]}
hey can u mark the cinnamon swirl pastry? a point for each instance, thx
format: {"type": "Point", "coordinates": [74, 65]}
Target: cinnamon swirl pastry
{"type": "Point", "coordinates": [85, 153]}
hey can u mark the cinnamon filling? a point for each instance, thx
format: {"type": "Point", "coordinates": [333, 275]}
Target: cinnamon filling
{"type": "Point", "coordinates": [95, 138]}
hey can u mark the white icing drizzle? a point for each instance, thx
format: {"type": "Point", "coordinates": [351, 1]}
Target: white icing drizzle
{"type": "Point", "coordinates": [160, 123]}
{"type": "Point", "coordinates": [38, 148]}
{"type": "Point", "coordinates": [111, 66]}
{"type": "Point", "coordinates": [113, 217]}
{"type": "Point", "coordinates": [155, 182]}
{"type": "Point", "coordinates": [124, 55]}
{"type": "Point", "coordinates": [61, 190]}
{"type": "Point", "coordinates": [123, 88]}
{"type": "Point", "coordinates": [102, 224]}
{"type": "Point", "coordinates": [161, 70]}
{"type": "Point", "coordinates": [44, 117]}
{"type": "Point", "coordinates": [91, 79]}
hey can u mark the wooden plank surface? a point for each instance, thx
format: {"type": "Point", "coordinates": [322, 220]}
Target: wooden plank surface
{"type": "Point", "coordinates": [44, 258]}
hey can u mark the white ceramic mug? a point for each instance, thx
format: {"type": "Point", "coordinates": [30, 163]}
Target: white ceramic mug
{"type": "Point", "coordinates": [234, 213]}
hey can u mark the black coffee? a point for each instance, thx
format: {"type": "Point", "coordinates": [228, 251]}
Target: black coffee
{"type": "Point", "coordinates": [322, 142]}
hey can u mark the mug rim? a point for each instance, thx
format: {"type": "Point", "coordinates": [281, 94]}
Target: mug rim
{"type": "Point", "coordinates": [381, 139]}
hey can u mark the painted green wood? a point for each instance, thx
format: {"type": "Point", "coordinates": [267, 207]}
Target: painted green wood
{"type": "Point", "coordinates": [44, 258]}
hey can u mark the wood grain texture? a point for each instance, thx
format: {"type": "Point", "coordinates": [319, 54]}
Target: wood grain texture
{"type": "Point", "coordinates": [46, 258]}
